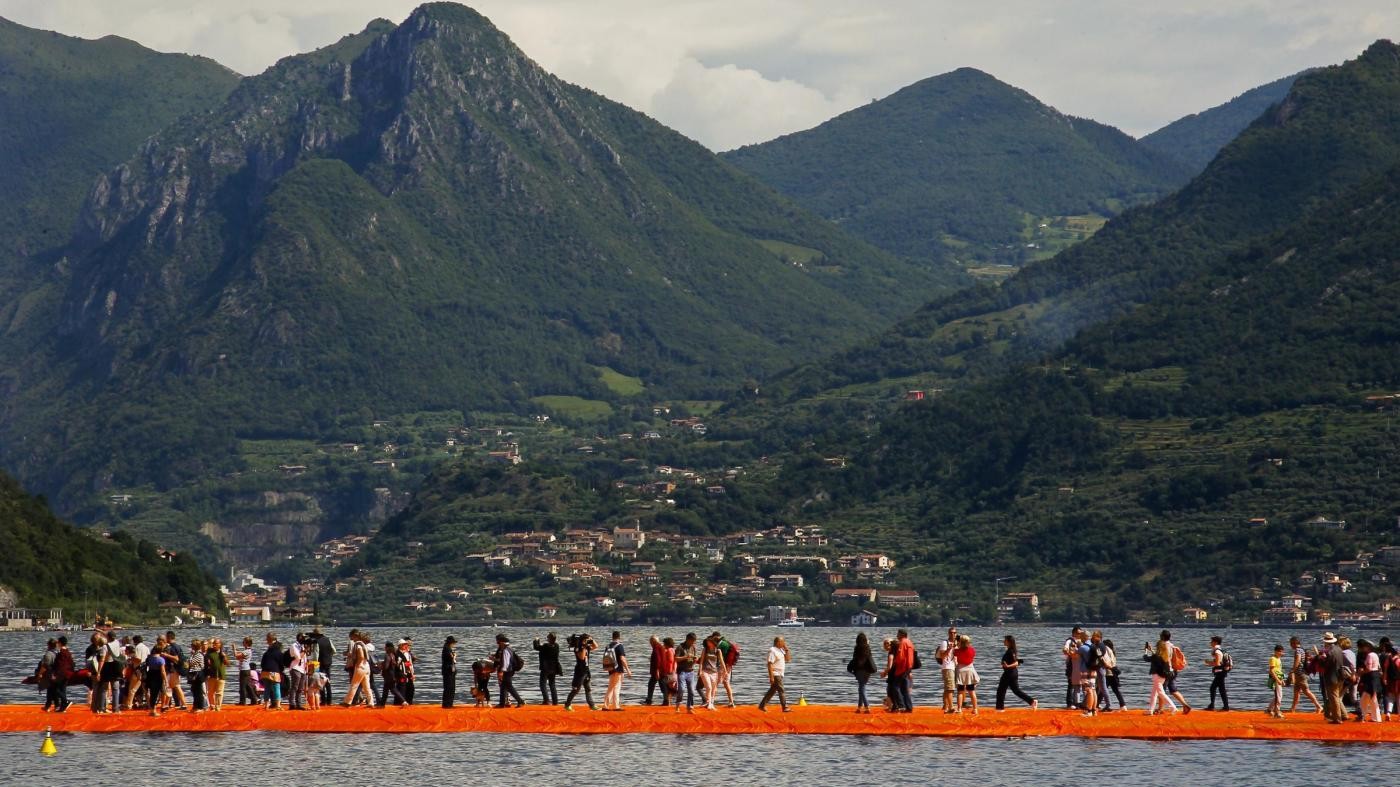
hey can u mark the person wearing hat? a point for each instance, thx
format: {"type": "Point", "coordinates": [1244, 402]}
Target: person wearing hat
{"type": "Point", "coordinates": [1331, 677]}
{"type": "Point", "coordinates": [449, 672]}
{"type": "Point", "coordinates": [507, 663]}
{"type": "Point", "coordinates": [408, 675]}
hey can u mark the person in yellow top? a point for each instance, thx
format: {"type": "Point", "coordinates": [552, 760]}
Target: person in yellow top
{"type": "Point", "coordinates": [1276, 681]}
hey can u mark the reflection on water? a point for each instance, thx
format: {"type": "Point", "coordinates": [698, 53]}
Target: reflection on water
{"type": "Point", "coordinates": [818, 672]}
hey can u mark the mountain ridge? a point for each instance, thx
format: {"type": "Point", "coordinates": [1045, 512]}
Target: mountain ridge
{"type": "Point", "coordinates": [960, 155]}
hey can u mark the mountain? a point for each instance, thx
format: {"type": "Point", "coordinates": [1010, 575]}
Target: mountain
{"type": "Point", "coordinates": [49, 562]}
{"type": "Point", "coordinates": [1337, 127]}
{"type": "Point", "coordinates": [70, 110]}
{"type": "Point", "coordinates": [417, 217]}
{"type": "Point", "coordinates": [1195, 139]}
{"type": "Point", "coordinates": [958, 158]}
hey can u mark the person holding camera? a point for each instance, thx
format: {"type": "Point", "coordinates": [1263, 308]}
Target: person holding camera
{"type": "Point", "coordinates": [550, 668]}
{"type": "Point", "coordinates": [583, 647]}
{"type": "Point", "coordinates": [686, 657]}
{"type": "Point", "coordinates": [778, 657]}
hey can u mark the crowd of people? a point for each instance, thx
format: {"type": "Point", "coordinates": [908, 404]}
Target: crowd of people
{"type": "Point", "coordinates": [125, 673]}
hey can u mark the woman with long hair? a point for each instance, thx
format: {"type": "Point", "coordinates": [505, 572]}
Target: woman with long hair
{"type": "Point", "coordinates": [1159, 661]}
{"type": "Point", "coordinates": [1011, 676]}
{"type": "Point", "coordinates": [862, 666]}
{"type": "Point", "coordinates": [967, 677]}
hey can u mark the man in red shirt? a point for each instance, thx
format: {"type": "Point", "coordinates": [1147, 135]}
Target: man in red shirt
{"type": "Point", "coordinates": [901, 674]}
{"type": "Point", "coordinates": [663, 657]}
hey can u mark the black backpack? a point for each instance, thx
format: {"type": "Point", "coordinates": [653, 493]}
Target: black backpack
{"type": "Point", "coordinates": [517, 662]}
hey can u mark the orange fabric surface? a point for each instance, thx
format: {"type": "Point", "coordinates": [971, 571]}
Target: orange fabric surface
{"type": "Point", "coordinates": [809, 720]}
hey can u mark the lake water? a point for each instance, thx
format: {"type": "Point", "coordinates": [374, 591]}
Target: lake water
{"type": "Point", "coordinates": [818, 672]}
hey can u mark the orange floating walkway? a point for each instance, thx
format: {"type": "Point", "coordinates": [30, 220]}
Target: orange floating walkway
{"type": "Point", "coordinates": [809, 720]}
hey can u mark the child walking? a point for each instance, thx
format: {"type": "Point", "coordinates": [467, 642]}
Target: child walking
{"type": "Point", "coordinates": [1276, 681]}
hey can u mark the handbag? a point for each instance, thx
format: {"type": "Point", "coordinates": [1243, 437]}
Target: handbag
{"type": "Point", "coordinates": [271, 677]}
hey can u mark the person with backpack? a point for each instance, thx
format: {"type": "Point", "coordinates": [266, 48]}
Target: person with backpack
{"type": "Point", "coordinates": [1089, 676]}
{"type": "Point", "coordinates": [615, 663]}
{"type": "Point", "coordinates": [1220, 665]}
{"type": "Point", "coordinates": [1113, 676]}
{"type": "Point", "coordinates": [583, 646]}
{"type": "Point", "coordinates": [357, 664]}
{"type": "Point", "coordinates": [508, 662]}
{"type": "Point", "coordinates": [730, 652]}
{"type": "Point", "coordinates": [1178, 665]}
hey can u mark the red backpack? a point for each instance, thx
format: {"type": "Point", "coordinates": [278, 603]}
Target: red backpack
{"type": "Point", "coordinates": [732, 657]}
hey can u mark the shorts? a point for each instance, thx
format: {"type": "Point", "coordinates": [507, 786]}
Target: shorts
{"type": "Point", "coordinates": [949, 680]}
{"type": "Point", "coordinates": [1169, 685]}
{"type": "Point", "coordinates": [173, 678]}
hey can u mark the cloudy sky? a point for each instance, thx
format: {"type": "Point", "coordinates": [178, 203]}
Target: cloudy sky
{"type": "Point", "coordinates": [731, 72]}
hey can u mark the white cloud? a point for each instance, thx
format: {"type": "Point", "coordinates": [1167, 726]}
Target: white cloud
{"type": "Point", "coordinates": [729, 72]}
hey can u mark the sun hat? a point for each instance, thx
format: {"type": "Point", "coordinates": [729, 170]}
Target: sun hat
{"type": "Point", "coordinates": [1329, 638]}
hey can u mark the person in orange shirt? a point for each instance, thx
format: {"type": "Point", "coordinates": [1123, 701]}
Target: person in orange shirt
{"type": "Point", "coordinates": [900, 672]}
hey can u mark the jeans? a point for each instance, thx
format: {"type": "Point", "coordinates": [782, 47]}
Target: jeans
{"type": "Point", "coordinates": [861, 701]}
{"type": "Point", "coordinates": [549, 694]}
{"type": "Point", "coordinates": [1011, 680]}
{"type": "Point", "coordinates": [507, 681]}
{"type": "Point", "coordinates": [296, 693]}
{"type": "Point", "coordinates": [775, 686]}
{"type": "Point", "coordinates": [686, 681]}
{"type": "Point", "coordinates": [902, 692]}
{"type": "Point", "coordinates": [1218, 684]}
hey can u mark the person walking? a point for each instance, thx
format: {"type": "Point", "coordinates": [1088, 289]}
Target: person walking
{"type": "Point", "coordinates": [712, 669]}
{"type": "Point", "coordinates": [1370, 684]}
{"type": "Point", "coordinates": [778, 658]}
{"type": "Point", "coordinates": [1011, 676]}
{"type": "Point", "coordinates": [1298, 676]}
{"type": "Point", "coordinates": [63, 671]}
{"type": "Point", "coordinates": [1276, 683]}
{"type": "Point", "coordinates": [1331, 679]}
{"type": "Point", "coordinates": [449, 671]}
{"type": "Point", "coordinates": [551, 669]}
{"type": "Point", "coordinates": [686, 657]}
{"type": "Point", "coordinates": [1177, 662]}
{"type": "Point", "coordinates": [507, 663]}
{"type": "Point", "coordinates": [582, 646]}
{"type": "Point", "coordinates": [1349, 676]}
{"type": "Point", "coordinates": [1112, 674]}
{"type": "Point", "coordinates": [862, 666]}
{"type": "Point", "coordinates": [1220, 665]}
{"type": "Point", "coordinates": [357, 664]}
{"type": "Point", "coordinates": [1159, 661]}
{"type": "Point", "coordinates": [615, 662]}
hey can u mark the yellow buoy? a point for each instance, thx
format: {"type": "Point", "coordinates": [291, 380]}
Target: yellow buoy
{"type": "Point", "coordinates": [802, 700]}
{"type": "Point", "coordinates": [47, 748]}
